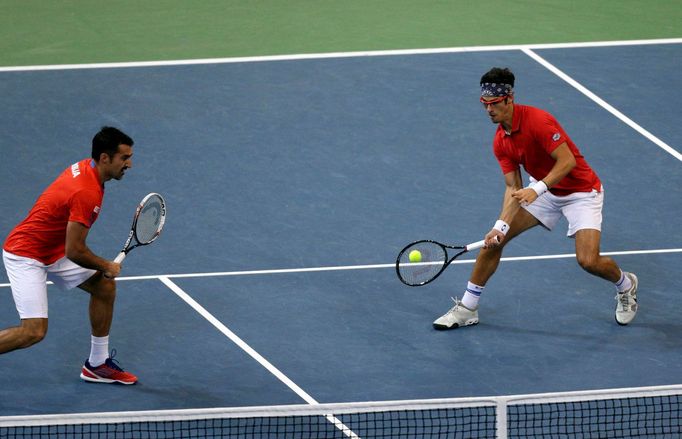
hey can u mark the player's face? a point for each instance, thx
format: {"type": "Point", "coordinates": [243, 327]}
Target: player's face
{"type": "Point", "coordinates": [499, 109]}
{"type": "Point", "coordinates": [120, 162]}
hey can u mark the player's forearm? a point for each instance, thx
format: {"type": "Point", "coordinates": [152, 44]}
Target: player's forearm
{"type": "Point", "coordinates": [565, 162]}
{"type": "Point", "coordinates": [501, 227]}
{"type": "Point", "coordinates": [509, 206]}
{"type": "Point", "coordinates": [78, 251]}
{"type": "Point", "coordinates": [84, 257]}
{"type": "Point", "coordinates": [558, 172]}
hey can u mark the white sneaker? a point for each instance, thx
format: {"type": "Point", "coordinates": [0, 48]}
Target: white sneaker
{"type": "Point", "coordinates": [458, 315]}
{"type": "Point", "coordinates": [626, 302]}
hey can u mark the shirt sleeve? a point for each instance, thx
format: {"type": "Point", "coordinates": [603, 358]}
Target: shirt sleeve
{"type": "Point", "coordinates": [549, 133]}
{"type": "Point", "coordinates": [507, 163]}
{"type": "Point", "coordinates": [84, 207]}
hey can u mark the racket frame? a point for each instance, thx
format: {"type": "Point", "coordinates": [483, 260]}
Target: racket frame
{"type": "Point", "coordinates": [133, 229]}
{"type": "Point", "coordinates": [446, 262]}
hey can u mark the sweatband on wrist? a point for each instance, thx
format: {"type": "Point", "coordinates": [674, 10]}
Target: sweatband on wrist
{"type": "Point", "coordinates": [501, 226]}
{"type": "Point", "coordinates": [539, 187]}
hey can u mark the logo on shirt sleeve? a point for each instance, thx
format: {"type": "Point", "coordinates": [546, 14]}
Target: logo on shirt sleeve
{"type": "Point", "coordinates": [75, 170]}
{"type": "Point", "coordinates": [556, 136]}
{"type": "Point", "coordinates": [95, 214]}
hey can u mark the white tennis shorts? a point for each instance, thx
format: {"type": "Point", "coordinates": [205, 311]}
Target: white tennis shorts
{"type": "Point", "coordinates": [28, 279]}
{"type": "Point", "coordinates": [581, 209]}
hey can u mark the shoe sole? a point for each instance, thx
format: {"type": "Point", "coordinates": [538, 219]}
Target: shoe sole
{"type": "Point", "coordinates": [455, 326]}
{"type": "Point", "coordinates": [104, 380]}
{"type": "Point", "coordinates": [633, 317]}
{"type": "Point", "coordinates": [626, 323]}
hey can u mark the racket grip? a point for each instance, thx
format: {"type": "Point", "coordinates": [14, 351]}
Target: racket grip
{"type": "Point", "coordinates": [120, 257]}
{"type": "Point", "coordinates": [475, 245]}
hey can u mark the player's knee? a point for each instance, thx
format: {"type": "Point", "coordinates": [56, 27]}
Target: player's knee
{"type": "Point", "coordinates": [109, 289]}
{"type": "Point", "coordinates": [33, 332]}
{"type": "Point", "coordinates": [589, 263]}
{"type": "Point", "coordinates": [105, 289]}
{"type": "Point", "coordinates": [34, 337]}
{"type": "Point", "coordinates": [491, 253]}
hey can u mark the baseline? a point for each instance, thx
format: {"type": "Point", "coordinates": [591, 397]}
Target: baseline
{"type": "Point", "coordinates": [296, 57]}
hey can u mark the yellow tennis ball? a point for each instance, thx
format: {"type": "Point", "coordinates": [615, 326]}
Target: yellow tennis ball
{"type": "Point", "coordinates": [415, 256]}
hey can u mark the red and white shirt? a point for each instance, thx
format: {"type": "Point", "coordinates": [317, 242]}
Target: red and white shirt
{"type": "Point", "coordinates": [535, 134]}
{"type": "Point", "coordinates": [76, 195]}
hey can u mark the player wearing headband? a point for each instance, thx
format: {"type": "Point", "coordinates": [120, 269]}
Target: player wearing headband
{"type": "Point", "coordinates": [49, 244]}
{"type": "Point", "coordinates": [561, 184]}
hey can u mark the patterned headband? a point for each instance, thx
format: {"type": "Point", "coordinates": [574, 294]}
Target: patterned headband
{"type": "Point", "coordinates": [491, 89]}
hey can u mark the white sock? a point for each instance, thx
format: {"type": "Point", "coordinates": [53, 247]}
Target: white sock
{"type": "Point", "coordinates": [624, 283]}
{"type": "Point", "coordinates": [472, 295]}
{"type": "Point", "coordinates": [99, 350]}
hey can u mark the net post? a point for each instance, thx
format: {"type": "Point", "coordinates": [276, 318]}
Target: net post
{"type": "Point", "coordinates": [501, 418]}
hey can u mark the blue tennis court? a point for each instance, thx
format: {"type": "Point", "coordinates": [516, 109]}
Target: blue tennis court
{"type": "Point", "coordinates": [291, 186]}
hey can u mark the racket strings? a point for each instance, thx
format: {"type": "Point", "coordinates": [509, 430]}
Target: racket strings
{"type": "Point", "coordinates": [433, 258]}
{"type": "Point", "coordinates": [149, 222]}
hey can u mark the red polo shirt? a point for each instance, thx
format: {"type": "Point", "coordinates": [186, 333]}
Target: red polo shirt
{"type": "Point", "coordinates": [535, 134]}
{"type": "Point", "coordinates": [76, 195]}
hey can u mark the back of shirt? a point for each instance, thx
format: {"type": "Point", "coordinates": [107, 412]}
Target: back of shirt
{"type": "Point", "coordinates": [76, 195]}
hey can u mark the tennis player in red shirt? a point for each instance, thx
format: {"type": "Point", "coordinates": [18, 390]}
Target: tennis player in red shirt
{"type": "Point", "coordinates": [49, 244]}
{"type": "Point", "coordinates": [561, 184]}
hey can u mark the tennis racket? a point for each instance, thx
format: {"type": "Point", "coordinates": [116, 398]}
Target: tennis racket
{"type": "Point", "coordinates": [423, 261]}
{"type": "Point", "coordinates": [148, 222]}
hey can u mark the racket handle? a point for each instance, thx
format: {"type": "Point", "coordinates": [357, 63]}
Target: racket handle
{"type": "Point", "coordinates": [476, 245]}
{"type": "Point", "coordinates": [121, 256]}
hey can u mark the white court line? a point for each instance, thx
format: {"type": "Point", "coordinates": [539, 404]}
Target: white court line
{"type": "Point", "coordinates": [526, 48]}
{"type": "Point", "coordinates": [296, 57]}
{"type": "Point", "coordinates": [249, 350]}
{"type": "Point", "coordinates": [667, 148]}
{"type": "Point", "coordinates": [374, 266]}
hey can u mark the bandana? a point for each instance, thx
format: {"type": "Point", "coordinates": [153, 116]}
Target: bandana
{"type": "Point", "coordinates": [491, 89]}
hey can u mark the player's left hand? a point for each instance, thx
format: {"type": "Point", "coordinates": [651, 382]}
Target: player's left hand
{"type": "Point", "coordinates": [525, 196]}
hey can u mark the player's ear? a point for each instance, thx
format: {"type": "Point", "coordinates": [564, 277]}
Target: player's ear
{"type": "Point", "coordinates": [104, 158]}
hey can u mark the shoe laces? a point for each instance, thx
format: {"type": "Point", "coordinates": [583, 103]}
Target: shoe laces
{"type": "Point", "coordinates": [113, 363]}
{"type": "Point", "coordinates": [456, 306]}
{"type": "Point", "coordinates": [624, 299]}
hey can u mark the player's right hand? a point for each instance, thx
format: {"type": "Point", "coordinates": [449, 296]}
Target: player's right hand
{"type": "Point", "coordinates": [493, 239]}
{"type": "Point", "coordinates": [113, 269]}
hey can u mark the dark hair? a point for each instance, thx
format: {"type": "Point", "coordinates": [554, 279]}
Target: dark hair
{"type": "Point", "coordinates": [498, 75]}
{"type": "Point", "coordinates": [107, 141]}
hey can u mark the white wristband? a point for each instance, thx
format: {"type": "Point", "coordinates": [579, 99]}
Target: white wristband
{"type": "Point", "coordinates": [501, 226]}
{"type": "Point", "coordinates": [539, 187]}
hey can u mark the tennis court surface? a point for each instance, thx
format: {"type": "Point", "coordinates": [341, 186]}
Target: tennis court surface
{"type": "Point", "coordinates": [291, 185]}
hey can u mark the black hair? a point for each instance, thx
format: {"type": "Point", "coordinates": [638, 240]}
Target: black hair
{"type": "Point", "coordinates": [498, 75]}
{"type": "Point", "coordinates": [107, 141]}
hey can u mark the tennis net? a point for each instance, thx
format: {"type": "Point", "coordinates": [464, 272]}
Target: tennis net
{"type": "Point", "coordinates": [652, 412]}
